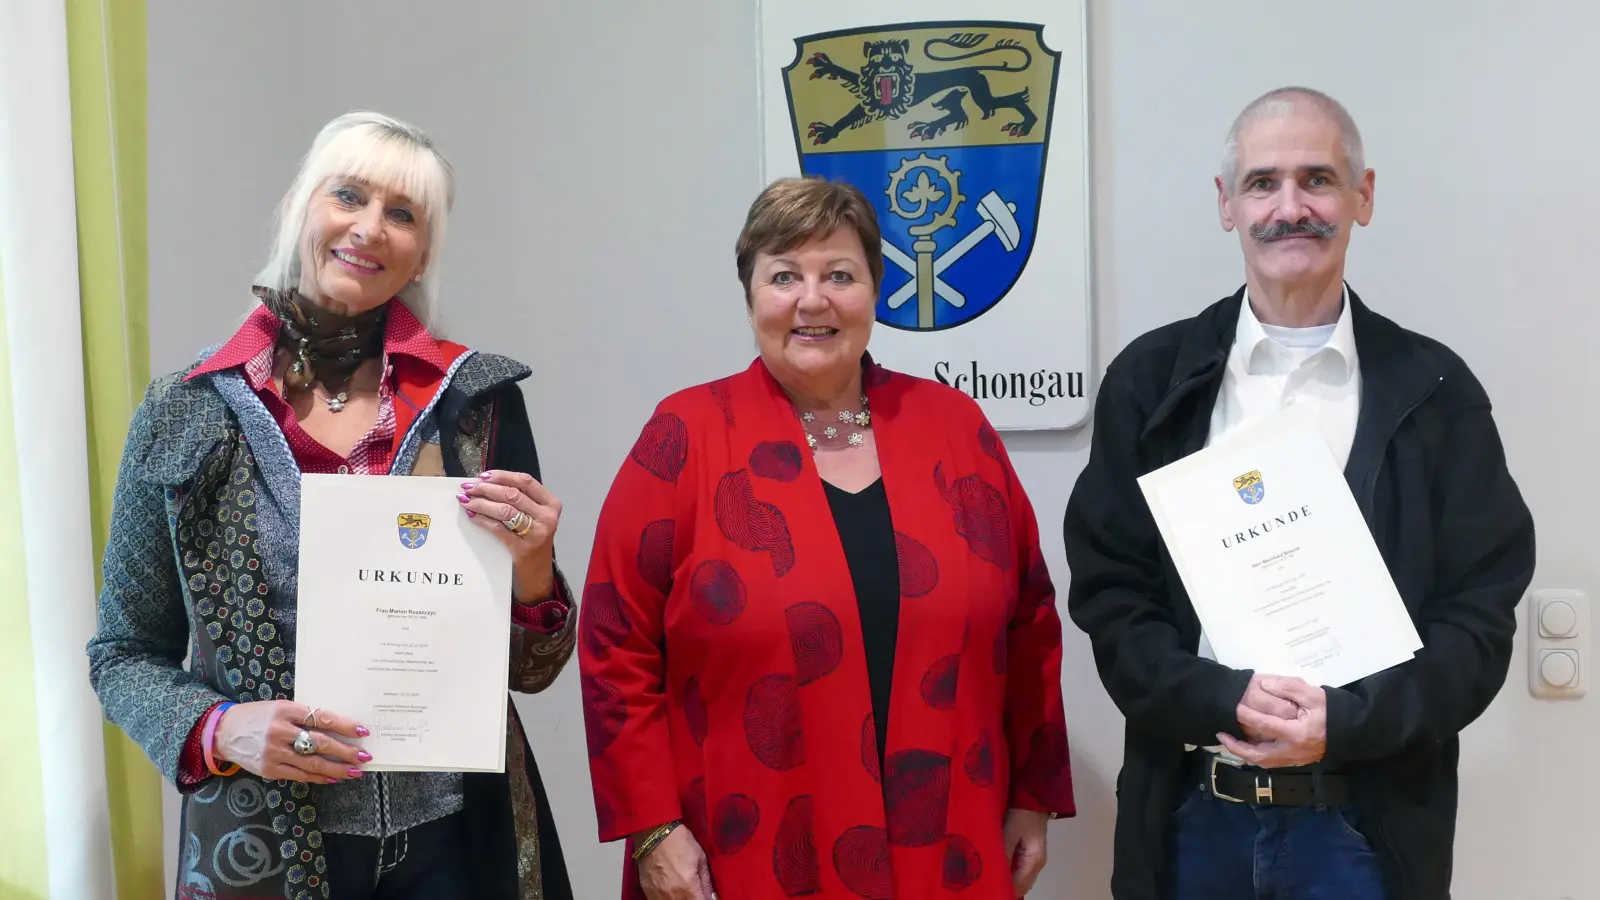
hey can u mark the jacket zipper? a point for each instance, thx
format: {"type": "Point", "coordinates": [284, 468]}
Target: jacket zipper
{"type": "Point", "coordinates": [1372, 484]}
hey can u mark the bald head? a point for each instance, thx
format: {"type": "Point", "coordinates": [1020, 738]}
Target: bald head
{"type": "Point", "coordinates": [1290, 101]}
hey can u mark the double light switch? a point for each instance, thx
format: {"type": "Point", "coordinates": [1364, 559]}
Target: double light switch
{"type": "Point", "coordinates": [1558, 643]}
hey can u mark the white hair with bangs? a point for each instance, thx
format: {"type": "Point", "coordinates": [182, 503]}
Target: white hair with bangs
{"type": "Point", "coordinates": [378, 150]}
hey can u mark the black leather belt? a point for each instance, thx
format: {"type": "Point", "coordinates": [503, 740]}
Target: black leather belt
{"type": "Point", "coordinates": [1273, 787]}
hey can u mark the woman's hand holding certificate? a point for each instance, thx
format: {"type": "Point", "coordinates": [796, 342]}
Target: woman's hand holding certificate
{"type": "Point", "coordinates": [281, 739]}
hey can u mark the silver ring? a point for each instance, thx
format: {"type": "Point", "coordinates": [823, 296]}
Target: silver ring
{"type": "Point", "coordinates": [515, 522]}
{"type": "Point", "coordinates": [303, 744]}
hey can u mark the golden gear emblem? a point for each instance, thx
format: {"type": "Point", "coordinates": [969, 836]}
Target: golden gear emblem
{"type": "Point", "coordinates": [925, 193]}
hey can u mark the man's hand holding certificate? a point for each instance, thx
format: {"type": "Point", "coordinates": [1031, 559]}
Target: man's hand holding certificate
{"type": "Point", "coordinates": [1277, 560]}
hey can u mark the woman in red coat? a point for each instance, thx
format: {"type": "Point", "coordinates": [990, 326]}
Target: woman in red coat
{"type": "Point", "coordinates": [819, 644]}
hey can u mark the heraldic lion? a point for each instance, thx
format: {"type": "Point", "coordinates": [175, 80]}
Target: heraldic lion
{"type": "Point", "coordinates": [887, 86]}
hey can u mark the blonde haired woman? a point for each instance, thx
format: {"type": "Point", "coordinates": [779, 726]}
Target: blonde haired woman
{"type": "Point", "coordinates": [334, 371]}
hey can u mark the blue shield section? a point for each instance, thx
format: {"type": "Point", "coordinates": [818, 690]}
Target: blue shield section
{"type": "Point", "coordinates": [985, 272]}
{"type": "Point", "coordinates": [1254, 493]}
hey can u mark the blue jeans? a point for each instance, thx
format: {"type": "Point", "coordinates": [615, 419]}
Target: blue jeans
{"type": "Point", "coordinates": [1220, 850]}
{"type": "Point", "coordinates": [428, 862]}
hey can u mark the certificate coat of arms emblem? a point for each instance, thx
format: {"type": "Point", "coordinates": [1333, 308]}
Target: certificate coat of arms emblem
{"type": "Point", "coordinates": [1251, 488]}
{"type": "Point", "coordinates": [413, 529]}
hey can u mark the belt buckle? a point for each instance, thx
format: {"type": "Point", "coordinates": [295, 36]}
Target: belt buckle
{"type": "Point", "coordinates": [1216, 761]}
{"type": "Point", "coordinates": [1263, 791]}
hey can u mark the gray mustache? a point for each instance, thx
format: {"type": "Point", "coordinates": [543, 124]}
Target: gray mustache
{"type": "Point", "coordinates": [1268, 233]}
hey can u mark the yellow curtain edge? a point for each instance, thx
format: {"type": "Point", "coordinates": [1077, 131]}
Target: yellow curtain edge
{"type": "Point", "coordinates": [106, 53]}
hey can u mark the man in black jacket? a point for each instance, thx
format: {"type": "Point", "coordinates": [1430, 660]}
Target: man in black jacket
{"type": "Point", "coordinates": [1241, 784]}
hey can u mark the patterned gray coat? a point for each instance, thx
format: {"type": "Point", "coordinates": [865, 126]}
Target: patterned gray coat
{"type": "Point", "coordinates": [202, 563]}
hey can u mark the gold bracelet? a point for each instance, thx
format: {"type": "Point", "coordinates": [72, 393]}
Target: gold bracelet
{"type": "Point", "coordinates": [654, 839]}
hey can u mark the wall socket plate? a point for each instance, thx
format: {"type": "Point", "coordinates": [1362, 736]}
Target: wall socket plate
{"type": "Point", "coordinates": [1559, 656]}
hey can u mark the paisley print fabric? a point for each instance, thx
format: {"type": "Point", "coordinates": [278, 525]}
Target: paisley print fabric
{"type": "Point", "coordinates": [268, 839]}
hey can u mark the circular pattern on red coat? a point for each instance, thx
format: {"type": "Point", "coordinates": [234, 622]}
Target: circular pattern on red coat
{"type": "Point", "coordinates": [989, 442]}
{"type": "Point", "coordinates": [869, 748]}
{"type": "Point", "coordinates": [717, 592]}
{"type": "Point", "coordinates": [777, 460]}
{"type": "Point", "coordinates": [752, 524]}
{"type": "Point", "coordinates": [734, 822]}
{"type": "Point", "coordinates": [1047, 773]}
{"type": "Point", "coordinates": [602, 618]}
{"type": "Point", "coordinates": [939, 682]}
{"type": "Point", "coordinates": [962, 864]}
{"type": "Point", "coordinates": [919, 569]}
{"type": "Point", "coordinates": [861, 857]}
{"type": "Point", "coordinates": [694, 813]}
{"type": "Point", "coordinates": [794, 851]}
{"type": "Point", "coordinates": [772, 723]}
{"type": "Point", "coordinates": [816, 640]}
{"type": "Point", "coordinates": [724, 401]}
{"type": "Point", "coordinates": [980, 516]}
{"type": "Point", "coordinates": [604, 713]}
{"type": "Point", "coordinates": [655, 554]}
{"type": "Point", "coordinates": [979, 764]}
{"type": "Point", "coordinates": [916, 793]}
{"type": "Point", "coordinates": [694, 711]}
{"type": "Point", "coordinates": [662, 447]}
{"type": "Point", "coordinates": [1039, 575]}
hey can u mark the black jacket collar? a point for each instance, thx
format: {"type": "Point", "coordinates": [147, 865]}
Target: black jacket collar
{"type": "Point", "coordinates": [1397, 370]}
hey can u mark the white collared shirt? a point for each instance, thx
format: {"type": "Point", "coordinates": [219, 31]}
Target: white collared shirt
{"type": "Point", "coordinates": [1271, 367]}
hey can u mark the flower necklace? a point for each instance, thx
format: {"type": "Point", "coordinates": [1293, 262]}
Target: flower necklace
{"type": "Point", "coordinates": [842, 431]}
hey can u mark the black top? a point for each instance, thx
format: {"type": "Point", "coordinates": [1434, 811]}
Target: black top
{"type": "Point", "coordinates": [867, 534]}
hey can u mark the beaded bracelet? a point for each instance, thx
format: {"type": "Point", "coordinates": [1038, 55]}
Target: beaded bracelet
{"type": "Point", "coordinates": [654, 839]}
{"type": "Point", "coordinates": [206, 737]}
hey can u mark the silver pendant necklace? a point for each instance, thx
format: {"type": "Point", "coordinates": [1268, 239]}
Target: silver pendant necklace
{"type": "Point", "coordinates": [846, 424]}
{"type": "Point", "coordinates": [335, 403]}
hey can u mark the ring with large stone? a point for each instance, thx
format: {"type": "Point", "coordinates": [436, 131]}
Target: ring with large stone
{"type": "Point", "coordinates": [304, 745]}
{"type": "Point", "coordinates": [519, 524]}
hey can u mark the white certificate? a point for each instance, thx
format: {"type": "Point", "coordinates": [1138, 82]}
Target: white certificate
{"type": "Point", "coordinates": [404, 620]}
{"type": "Point", "coordinates": [1276, 557]}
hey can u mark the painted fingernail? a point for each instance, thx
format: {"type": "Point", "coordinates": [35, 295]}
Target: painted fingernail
{"type": "Point", "coordinates": [468, 485]}
{"type": "Point", "coordinates": [485, 473]}
{"type": "Point", "coordinates": [333, 781]}
{"type": "Point", "coordinates": [471, 514]}
{"type": "Point", "coordinates": [355, 773]}
{"type": "Point", "coordinates": [463, 498]}
{"type": "Point", "coordinates": [364, 756]}
{"type": "Point", "coordinates": [361, 731]}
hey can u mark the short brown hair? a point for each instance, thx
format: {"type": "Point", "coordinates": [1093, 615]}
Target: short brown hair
{"type": "Point", "coordinates": [792, 211]}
